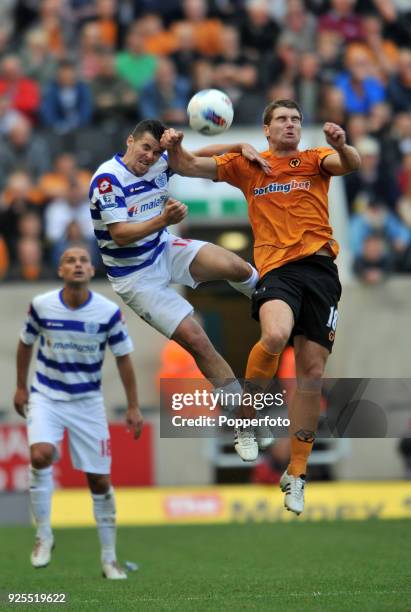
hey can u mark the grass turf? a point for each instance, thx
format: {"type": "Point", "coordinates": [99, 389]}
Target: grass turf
{"type": "Point", "coordinates": [325, 566]}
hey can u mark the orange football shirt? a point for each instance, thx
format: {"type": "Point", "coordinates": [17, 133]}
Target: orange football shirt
{"type": "Point", "coordinates": [288, 209]}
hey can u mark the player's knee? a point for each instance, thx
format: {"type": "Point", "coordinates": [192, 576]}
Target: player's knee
{"type": "Point", "coordinates": [240, 270]}
{"type": "Point", "coordinates": [275, 340]}
{"type": "Point", "coordinates": [40, 457]}
{"type": "Point", "coordinates": [98, 483]}
{"type": "Point", "coordinates": [313, 370]}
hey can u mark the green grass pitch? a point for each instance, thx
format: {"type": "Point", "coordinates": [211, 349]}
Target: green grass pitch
{"type": "Point", "coordinates": [322, 566]}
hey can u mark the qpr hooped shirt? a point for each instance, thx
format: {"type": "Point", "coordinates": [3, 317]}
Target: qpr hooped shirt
{"type": "Point", "coordinates": [72, 343]}
{"type": "Point", "coordinates": [118, 195]}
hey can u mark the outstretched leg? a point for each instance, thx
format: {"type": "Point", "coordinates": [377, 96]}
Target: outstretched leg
{"type": "Point", "coordinates": [215, 263]}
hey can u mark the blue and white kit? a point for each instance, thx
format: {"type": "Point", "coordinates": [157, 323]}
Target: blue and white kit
{"type": "Point", "coordinates": [141, 272]}
{"type": "Point", "coordinates": [66, 387]}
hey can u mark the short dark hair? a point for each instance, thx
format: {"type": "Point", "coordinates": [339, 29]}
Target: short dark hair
{"type": "Point", "coordinates": [270, 108]}
{"type": "Point", "coordinates": [153, 126]}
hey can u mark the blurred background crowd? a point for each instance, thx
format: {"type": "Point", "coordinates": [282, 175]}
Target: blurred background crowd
{"type": "Point", "coordinates": [75, 75]}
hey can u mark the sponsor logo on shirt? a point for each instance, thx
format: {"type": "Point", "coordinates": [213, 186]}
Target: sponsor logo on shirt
{"type": "Point", "coordinates": [90, 327]}
{"type": "Point", "coordinates": [161, 180]}
{"type": "Point", "coordinates": [104, 185]}
{"type": "Point", "coordinates": [141, 208]}
{"type": "Point", "coordinates": [107, 201]}
{"type": "Point", "coordinates": [79, 347]}
{"type": "Point", "coordinates": [282, 187]}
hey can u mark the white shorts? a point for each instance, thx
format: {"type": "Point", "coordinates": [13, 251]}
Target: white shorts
{"type": "Point", "coordinates": [86, 423]}
{"type": "Point", "coordinates": [148, 291]}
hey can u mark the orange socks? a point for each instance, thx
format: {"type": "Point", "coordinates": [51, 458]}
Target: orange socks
{"type": "Point", "coordinates": [261, 363]}
{"type": "Point", "coordinates": [303, 413]}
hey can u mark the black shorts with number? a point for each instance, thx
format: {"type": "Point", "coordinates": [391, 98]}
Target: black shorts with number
{"type": "Point", "coordinates": [312, 289]}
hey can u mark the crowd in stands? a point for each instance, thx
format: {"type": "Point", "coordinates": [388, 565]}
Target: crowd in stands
{"type": "Point", "coordinates": [76, 74]}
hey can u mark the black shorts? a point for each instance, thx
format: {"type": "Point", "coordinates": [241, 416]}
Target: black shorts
{"type": "Point", "coordinates": [312, 289]}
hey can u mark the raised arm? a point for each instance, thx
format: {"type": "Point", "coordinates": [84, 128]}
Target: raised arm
{"type": "Point", "coordinates": [182, 161]}
{"type": "Point", "coordinates": [21, 396]}
{"type": "Point", "coordinates": [346, 159]}
{"type": "Point", "coordinates": [201, 163]}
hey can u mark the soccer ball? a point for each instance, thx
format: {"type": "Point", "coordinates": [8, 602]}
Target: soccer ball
{"type": "Point", "coordinates": [210, 112]}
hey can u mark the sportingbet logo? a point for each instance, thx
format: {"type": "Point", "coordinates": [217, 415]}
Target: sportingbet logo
{"type": "Point", "coordinates": [282, 187]}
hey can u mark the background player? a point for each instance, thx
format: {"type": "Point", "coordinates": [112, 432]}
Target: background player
{"type": "Point", "coordinates": [73, 325]}
{"type": "Point", "coordinates": [131, 211]}
{"type": "Point", "coordinates": [298, 292]}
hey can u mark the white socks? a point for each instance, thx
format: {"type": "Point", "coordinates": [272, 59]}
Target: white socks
{"type": "Point", "coordinates": [40, 490]}
{"type": "Point", "coordinates": [247, 287]}
{"type": "Point", "coordinates": [105, 514]}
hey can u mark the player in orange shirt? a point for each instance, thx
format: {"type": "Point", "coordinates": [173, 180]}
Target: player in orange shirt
{"type": "Point", "coordinates": [294, 250]}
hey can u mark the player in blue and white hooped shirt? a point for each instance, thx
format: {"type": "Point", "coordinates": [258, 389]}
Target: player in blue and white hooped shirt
{"type": "Point", "coordinates": [73, 326]}
{"type": "Point", "coordinates": [131, 212]}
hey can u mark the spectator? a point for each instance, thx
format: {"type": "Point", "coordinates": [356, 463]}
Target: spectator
{"type": "Point", "coordinates": [186, 54]}
{"type": "Point", "coordinates": [357, 127]}
{"type": "Point", "coordinates": [258, 31]}
{"type": "Point", "coordinates": [361, 90]}
{"type": "Point", "coordinates": [332, 106]}
{"type": "Point", "coordinates": [202, 75]}
{"type": "Point", "coordinates": [67, 102]}
{"type": "Point", "coordinates": [170, 10]}
{"type": "Point", "coordinates": [23, 150]}
{"type": "Point", "coordinates": [342, 19]}
{"type": "Point", "coordinates": [133, 64]}
{"type": "Point", "coordinates": [233, 71]}
{"type": "Point", "coordinates": [8, 116]}
{"type": "Point", "coordinates": [399, 87]}
{"type": "Point", "coordinates": [383, 52]}
{"type": "Point", "coordinates": [166, 97]}
{"type": "Point", "coordinates": [115, 100]}
{"type": "Point", "coordinates": [90, 47]}
{"type": "Point", "coordinates": [370, 179]}
{"type": "Point", "coordinates": [397, 18]}
{"type": "Point", "coordinates": [308, 87]}
{"type": "Point", "coordinates": [17, 199]}
{"type": "Point", "coordinates": [378, 220]}
{"type": "Point", "coordinates": [300, 27]}
{"type": "Point", "coordinates": [7, 43]}
{"type": "Point", "coordinates": [207, 32]}
{"type": "Point", "coordinates": [281, 64]}
{"type": "Point", "coordinates": [24, 93]}
{"type": "Point", "coordinates": [37, 61]}
{"type": "Point", "coordinates": [400, 138]}
{"type": "Point", "coordinates": [375, 263]}
{"type": "Point", "coordinates": [54, 18]}
{"type": "Point", "coordinates": [106, 18]}
{"type": "Point", "coordinates": [67, 220]}
{"type": "Point", "coordinates": [29, 252]}
{"type": "Point", "coordinates": [55, 184]}
{"type": "Point", "coordinates": [329, 47]}
{"type": "Point", "coordinates": [157, 41]}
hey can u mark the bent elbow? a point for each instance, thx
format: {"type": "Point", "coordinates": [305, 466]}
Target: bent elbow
{"type": "Point", "coordinates": [120, 241]}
